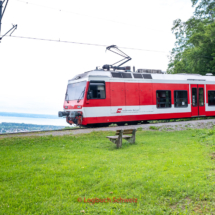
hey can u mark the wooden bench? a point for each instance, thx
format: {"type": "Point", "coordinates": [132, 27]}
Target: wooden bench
{"type": "Point", "coordinates": [121, 135]}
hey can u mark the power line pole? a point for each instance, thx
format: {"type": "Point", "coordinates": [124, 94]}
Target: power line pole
{"type": "Point", "coordinates": [1, 3]}
{"type": "Point", "coordinates": [1, 16]}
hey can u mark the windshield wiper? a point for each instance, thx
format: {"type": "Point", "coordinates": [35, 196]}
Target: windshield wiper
{"type": "Point", "coordinates": [82, 93]}
{"type": "Point", "coordinates": [67, 95]}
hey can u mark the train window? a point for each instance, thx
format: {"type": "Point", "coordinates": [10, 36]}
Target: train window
{"type": "Point", "coordinates": [75, 91]}
{"type": "Point", "coordinates": [163, 98]}
{"type": "Point", "coordinates": [126, 75]}
{"type": "Point", "coordinates": [121, 75]}
{"type": "Point", "coordinates": [211, 98]}
{"type": "Point", "coordinates": [180, 98]}
{"type": "Point", "coordinates": [147, 76]}
{"type": "Point", "coordinates": [201, 97]}
{"type": "Point", "coordinates": [136, 75]}
{"type": "Point", "coordinates": [194, 97]}
{"type": "Point", "coordinates": [116, 75]}
{"type": "Point", "coordinates": [96, 90]}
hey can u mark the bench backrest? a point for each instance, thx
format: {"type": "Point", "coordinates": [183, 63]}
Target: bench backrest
{"type": "Point", "coordinates": [127, 131]}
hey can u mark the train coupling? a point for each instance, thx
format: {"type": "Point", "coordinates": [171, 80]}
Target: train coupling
{"type": "Point", "coordinates": [74, 114]}
{"type": "Point", "coordinates": [71, 114]}
{"type": "Point", "coordinates": [73, 117]}
{"type": "Point", "coordinates": [63, 113]}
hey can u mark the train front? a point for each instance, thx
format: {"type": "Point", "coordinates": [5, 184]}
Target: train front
{"type": "Point", "coordinates": [74, 100]}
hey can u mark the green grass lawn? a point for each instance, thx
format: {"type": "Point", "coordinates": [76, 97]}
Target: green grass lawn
{"type": "Point", "coordinates": [167, 172]}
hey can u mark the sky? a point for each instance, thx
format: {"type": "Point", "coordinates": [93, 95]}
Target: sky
{"type": "Point", "coordinates": [34, 73]}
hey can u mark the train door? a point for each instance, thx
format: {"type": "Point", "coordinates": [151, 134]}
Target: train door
{"type": "Point", "coordinates": [132, 97]}
{"type": "Point", "coordinates": [197, 99]}
{"type": "Point", "coordinates": [117, 93]}
{"type": "Point", "coordinates": [201, 93]}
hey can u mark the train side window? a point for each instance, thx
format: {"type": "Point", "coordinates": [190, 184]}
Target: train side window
{"type": "Point", "coordinates": [194, 97]}
{"type": "Point", "coordinates": [180, 98]}
{"type": "Point", "coordinates": [201, 97]}
{"type": "Point", "coordinates": [163, 98]}
{"type": "Point", "coordinates": [96, 90]}
{"type": "Point", "coordinates": [211, 98]}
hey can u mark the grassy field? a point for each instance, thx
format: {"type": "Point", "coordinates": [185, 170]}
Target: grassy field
{"type": "Point", "coordinates": [164, 172]}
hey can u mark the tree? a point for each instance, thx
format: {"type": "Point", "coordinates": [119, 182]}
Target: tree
{"type": "Point", "coordinates": [194, 50]}
{"type": "Point", "coordinates": [204, 9]}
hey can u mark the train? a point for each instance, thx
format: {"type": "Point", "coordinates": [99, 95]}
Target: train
{"type": "Point", "coordinates": [118, 95]}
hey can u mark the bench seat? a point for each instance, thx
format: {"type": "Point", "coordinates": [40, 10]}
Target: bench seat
{"type": "Point", "coordinates": [116, 137]}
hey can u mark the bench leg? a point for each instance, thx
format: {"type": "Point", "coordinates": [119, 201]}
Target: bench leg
{"type": "Point", "coordinates": [132, 139]}
{"type": "Point", "coordinates": [119, 140]}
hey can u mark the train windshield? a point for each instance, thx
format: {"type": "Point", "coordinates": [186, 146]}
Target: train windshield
{"type": "Point", "coordinates": [75, 91]}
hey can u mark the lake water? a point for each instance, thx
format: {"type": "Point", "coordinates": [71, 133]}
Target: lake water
{"type": "Point", "coordinates": [35, 121]}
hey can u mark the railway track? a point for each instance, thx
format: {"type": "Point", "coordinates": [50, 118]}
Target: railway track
{"type": "Point", "coordinates": [58, 130]}
{"type": "Point", "coordinates": [108, 128]}
{"type": "Point", "coordinates": [73, 129]}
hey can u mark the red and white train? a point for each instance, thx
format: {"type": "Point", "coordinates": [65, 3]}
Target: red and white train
{"type": "Point", "coordinates": [102, 97]}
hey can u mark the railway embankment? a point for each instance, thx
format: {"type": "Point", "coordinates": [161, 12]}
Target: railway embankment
{"type": "Point", "coordinates": [167, 126]}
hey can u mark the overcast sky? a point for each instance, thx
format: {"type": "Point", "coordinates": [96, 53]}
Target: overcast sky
{"type": "Point", "coordinates": [34, 74]}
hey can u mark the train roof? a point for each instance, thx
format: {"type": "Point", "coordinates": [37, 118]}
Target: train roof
{"type": "Point", "coordinates": [143, 77]}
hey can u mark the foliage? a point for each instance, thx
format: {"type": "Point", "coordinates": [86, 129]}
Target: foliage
{"type": "Point", "coordinates": [168, 172]}
{"type": "Point", "coordinates": [181, 119]}
{"type": "Point", "coordinates": [194, 50]}
{"type": "Point", "coordinates": [204, 8]}
{"type": "Point", "coordinates": [154, 127]}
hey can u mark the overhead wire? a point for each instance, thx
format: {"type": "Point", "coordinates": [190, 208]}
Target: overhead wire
{"type": "Point", "coordinates": [81, 43]}
{"type": "Point", "coordinates": [101, 45]}
{"type": "Point", "coordinates": [93, 17]}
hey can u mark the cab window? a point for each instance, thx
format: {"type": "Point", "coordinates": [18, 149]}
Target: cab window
{"type": "Point", "coordinates": [96, 90]}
